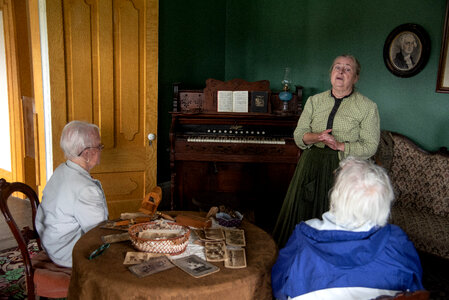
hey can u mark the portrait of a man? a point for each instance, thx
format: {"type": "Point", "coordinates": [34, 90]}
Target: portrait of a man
{"type": "Point", "coordinates": [406, 51]}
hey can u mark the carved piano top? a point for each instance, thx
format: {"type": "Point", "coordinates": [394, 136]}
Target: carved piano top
{"type": "Point", "coordinates": [199, 132]}
{"type": "Point", "coordinates": [205, 101]}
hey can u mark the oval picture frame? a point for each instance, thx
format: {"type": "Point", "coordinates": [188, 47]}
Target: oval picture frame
{"type": "Point", "coordinates": [406, 50]}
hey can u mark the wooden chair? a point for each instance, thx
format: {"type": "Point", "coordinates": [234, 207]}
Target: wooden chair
{"type": "Point", "coordinates": [417, 295]}
{"type": "Point", "coordinates": [43, 277]}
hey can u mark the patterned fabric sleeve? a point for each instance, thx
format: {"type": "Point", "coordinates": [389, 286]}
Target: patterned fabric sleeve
{"type": "Point", "coordinates": [366, 145]}
{"type": "Point", "coordinates": [304, 125]}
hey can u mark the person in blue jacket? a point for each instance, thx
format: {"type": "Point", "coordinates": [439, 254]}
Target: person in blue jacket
{"type": "Point", "coordinates": [352, 253]}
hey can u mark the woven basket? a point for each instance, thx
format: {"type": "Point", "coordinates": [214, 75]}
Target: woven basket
{"type": "Point", "coordinates": [172, 246]}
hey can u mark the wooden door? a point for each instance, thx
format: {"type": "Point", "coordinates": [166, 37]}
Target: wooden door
{"type": "Point", "coordinates": [103, 69]}
{"type": "Point", "coordinates": [12, 150]}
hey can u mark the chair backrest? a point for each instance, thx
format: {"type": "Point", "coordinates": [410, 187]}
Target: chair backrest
{"type": "Point", "coordinates": [417, 295]}
{"type": "Point", "coordinates": [22, 236]}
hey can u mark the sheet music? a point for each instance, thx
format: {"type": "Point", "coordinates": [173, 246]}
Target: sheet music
{"type": "Point", "coordinates": [232, 101]}
{"type": "Point", "coordinates": [224, 101]}
{"type": "Point", "coordinates": [240, 101]}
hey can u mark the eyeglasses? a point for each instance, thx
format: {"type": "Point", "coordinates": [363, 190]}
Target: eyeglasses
{"type": "Point", "coordinates": [99, 148]}
{"type": "Point", "coordinates": [340, 68]}
{"type": "Point", "coordinates": [99, 251]}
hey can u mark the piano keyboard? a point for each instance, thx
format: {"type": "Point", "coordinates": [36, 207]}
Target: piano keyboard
{"type": "Point", "coordinates": [237, 140]}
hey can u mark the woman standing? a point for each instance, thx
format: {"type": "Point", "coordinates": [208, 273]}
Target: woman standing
{"type": "Point", "coordinates": [334, 124]}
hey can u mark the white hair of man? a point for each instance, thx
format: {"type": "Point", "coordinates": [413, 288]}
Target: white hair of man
{"type": "Point", "coordinates": [77, 136]}
{"type": "Point", "coordinates": [362, 194]}
{"type": "Point", "coordinates": [408, 36]}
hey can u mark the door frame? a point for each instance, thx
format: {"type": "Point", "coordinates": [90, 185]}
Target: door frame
{"type": "Point", "coordinates": [17, 144]}
{"type": "Point", "coordinates": [37, 19]}
{"type": "Point", "coordinates": [13, 84]}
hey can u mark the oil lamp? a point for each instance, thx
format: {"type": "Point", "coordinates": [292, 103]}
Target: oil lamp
{"type": "Point", "coordinates": [285, 96]}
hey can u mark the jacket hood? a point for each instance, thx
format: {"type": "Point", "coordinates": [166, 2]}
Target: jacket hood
{"type": "Point", "coordinates": [346, 248]}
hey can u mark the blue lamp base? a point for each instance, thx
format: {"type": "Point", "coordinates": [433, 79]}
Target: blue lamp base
{"type": "Point", "coordinates": [285, 97]}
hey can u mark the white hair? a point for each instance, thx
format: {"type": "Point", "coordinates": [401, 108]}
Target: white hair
{"type": "Point", "coordinates": [77, 136]}
{"type": "Point", "coordinates": [407, 35]}
{"type": "Point", "coordinates": [362, 193]}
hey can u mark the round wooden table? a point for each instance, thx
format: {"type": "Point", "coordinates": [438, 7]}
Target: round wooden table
{"type": "Point", "coordinates": [106, 277]}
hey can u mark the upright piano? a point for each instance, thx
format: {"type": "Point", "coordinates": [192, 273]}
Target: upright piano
{"type": "Point", "coordinates": [242, 160]}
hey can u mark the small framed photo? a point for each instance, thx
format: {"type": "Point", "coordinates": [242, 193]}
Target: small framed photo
{"type": "Point", "coordinates": [235, 258]}
{"type": "Point", "coordinates": [195, 266]}
{"type": "Point", "coordinates": [215, 251]}
{"type": "Point", "coordinates": [235, 237]}
{"type": "Point", "coordinates": [406, 50]}
{"type": "Point", "coordinates": [259, 101]}
{"type": "Point", "coordinates": [214, 234]}
{"type": "Point", "coordinates": [151, 266]}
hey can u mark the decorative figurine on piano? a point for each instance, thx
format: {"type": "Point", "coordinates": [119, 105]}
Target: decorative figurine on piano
{"type": "Point", "coordinates": [286, 95]}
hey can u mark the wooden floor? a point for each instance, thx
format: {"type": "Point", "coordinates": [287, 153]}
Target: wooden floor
{"type": "Point", "coordinates": [21, 211]}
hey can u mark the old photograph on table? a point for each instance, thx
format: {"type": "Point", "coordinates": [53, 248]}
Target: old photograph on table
{"type": "Point", "coordinates": [115, 238]}
{"type": "Point", "coordinates": [235, 237]}
{"type": "Point", "coordinates": [195, 266]}
{"type": "Point", "coordinates": [155, 234]}
{"type": "Point", "coordinates": [235, 258]}
{"type": "Point", "coordinates": [215, 251]}
{"type": "Point", "coordinates": [152, 266]}
{"type": "Point", "coordinates": [112, 225]}
{"type": "Point", "coordinates": [200, 234]}
{"type": "Point", "coordinates": [133, 258]}
{"type": "Point", "coordinates": [215, 234]}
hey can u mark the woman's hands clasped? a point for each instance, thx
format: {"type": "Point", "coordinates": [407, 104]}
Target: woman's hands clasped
{"type": "Point", "coordinates": [325, 137]}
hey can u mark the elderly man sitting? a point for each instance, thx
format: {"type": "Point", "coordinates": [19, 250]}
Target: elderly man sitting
{"type": "Point", "coordinates": [73, 202]}
{"type": "Point", "coordinates": [352, 253]}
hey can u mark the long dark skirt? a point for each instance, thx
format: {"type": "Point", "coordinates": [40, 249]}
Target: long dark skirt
{"type": "Point", "coordinates": [307, 195]}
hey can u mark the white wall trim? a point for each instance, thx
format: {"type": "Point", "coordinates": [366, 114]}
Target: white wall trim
{"type": "Point", "coordinates": [5, 151]}
{"type": "Point", "coordinates": [46, 87]}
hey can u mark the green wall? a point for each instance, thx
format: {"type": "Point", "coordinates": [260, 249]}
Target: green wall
{"type": "Point", "coordinates": [191, 50]}
{"type": "Point", "coordinates": [257, 39]}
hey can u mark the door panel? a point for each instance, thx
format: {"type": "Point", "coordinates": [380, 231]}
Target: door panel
{"type": "Point", "coordinates": [78, 25]}
{"type": "Point", "coordinates": [111, 79]}
{"type": "Point", "coordinates": [128, 72]}
{"type": "Point", "coordinates": [12, 150]}
{"type": "Point", "coordinates": [5, 133]}
{"type": "Point", "coordinates": [31, 142]}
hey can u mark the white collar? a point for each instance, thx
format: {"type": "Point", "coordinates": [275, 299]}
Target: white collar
{"type": "Point", "coordinates": [329, 223]}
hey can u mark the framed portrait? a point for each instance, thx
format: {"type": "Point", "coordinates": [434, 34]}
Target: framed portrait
{"type": "Point", "coordinates": [406, 50]}
{"type": "Point", "coordinates": [443, 65]}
